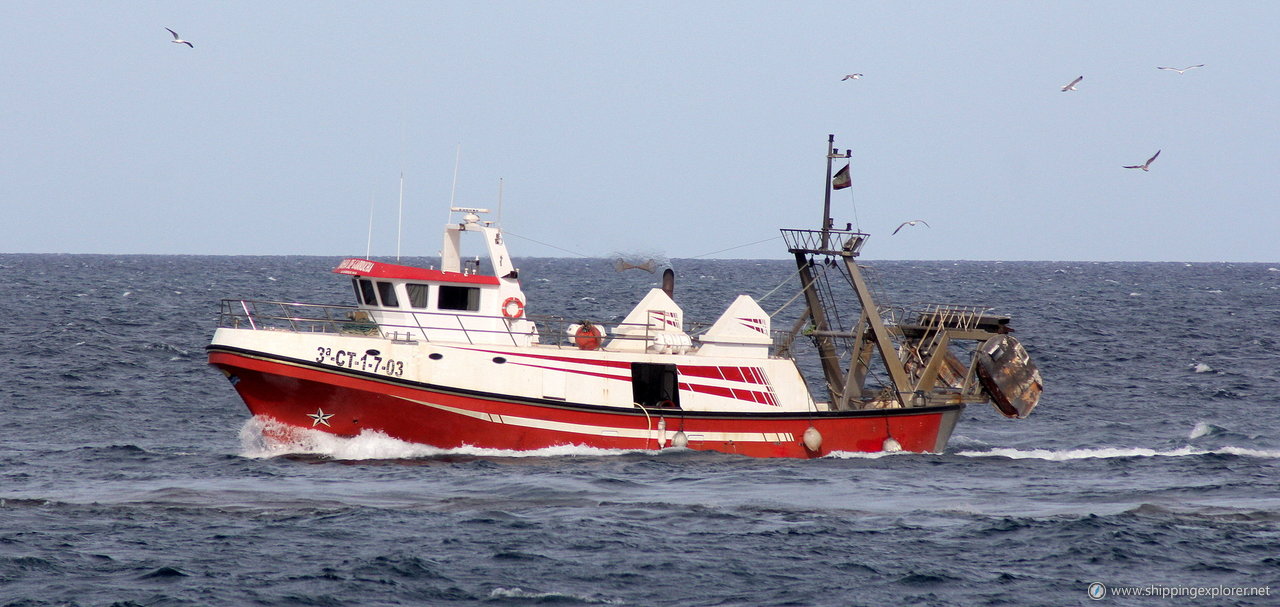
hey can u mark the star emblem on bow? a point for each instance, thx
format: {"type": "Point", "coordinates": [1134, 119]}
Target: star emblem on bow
{"type": "Point", "coordinates": [319, 417]}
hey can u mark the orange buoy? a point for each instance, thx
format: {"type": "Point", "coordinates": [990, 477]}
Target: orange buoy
{"type": "Point", "coordinates": [513, 307]}
{"type": "Point", "coordinates": [588, 337]}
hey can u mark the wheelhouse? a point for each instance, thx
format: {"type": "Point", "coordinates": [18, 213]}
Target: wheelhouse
{"type": "Point", "coordinates": [454, 303]}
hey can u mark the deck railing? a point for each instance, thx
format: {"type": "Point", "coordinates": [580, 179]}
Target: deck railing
{"type": "Point", "coordinates": [351, 320]}
{"type": "Point", "coordinates": [956, 316]}
{"type": "Point", "coordinates": [830, 242]}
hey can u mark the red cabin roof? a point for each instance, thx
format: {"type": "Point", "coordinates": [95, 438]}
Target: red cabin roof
{"type": "Point", "coordinates": [354, 266]}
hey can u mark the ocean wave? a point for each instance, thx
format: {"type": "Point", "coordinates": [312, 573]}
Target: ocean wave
{"type": "Point", "coordinates": [522, 597]}
{"type": "Point", "coordinates": [1204, 429]}
{"type": "Point", "coordinates": [1213, 513]}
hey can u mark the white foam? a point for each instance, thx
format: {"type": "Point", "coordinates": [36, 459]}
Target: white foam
{"type": "Point", "coordinates": [519, 593]}
{"type": "Point", "coordinates": [1201, 368]}
{"type": "Point", "coordinates": [1201, 429]}
{"type": "Point", "coordinates": [556, 451]}
{"type": "Point", "coordinates": [867, 454]}
{"type": "Point", "coordinates": [264, 438]}
{"type": "Point", "coordinates": [1115, 452]}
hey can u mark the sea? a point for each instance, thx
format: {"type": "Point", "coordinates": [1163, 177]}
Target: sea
{"type": "Point", "coordinates": [131, 474]}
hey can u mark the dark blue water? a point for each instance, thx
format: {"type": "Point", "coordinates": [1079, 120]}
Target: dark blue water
{"type": "Point", "coordinates": [130, 473]}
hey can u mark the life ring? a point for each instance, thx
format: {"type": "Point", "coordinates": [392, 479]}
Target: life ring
{"type": "Point", "coordinates": [507, 307]}
{"type": "Point", "coordinates": [588, 337]}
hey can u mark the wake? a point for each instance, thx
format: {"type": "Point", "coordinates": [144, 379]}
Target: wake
{"type": "Point", "coordinates": [262, 438]}
{"type": "Point", "coordinates": [1116, 452]}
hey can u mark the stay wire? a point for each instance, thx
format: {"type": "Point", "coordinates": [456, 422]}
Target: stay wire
{"type": "Point", "coordinates": [775, 289]}
{"type": "Point", "coordinates": [797, 295]}
{"type": "Point", "coordinates": [853, 203]}
{"type": "Point", "coordinates": [545, 244]}
{"type": "Point", "coordinates": [736, 247]}
{"type": "Point", "coordinates": [510, 233]}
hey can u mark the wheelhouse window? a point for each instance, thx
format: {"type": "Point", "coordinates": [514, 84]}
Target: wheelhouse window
{"type": "Point", "coordinates": [418, 295]}
{"type": "Point", "coordinates": [387, 291]}
{"type": "Point", "coordinates": [458, 298]}
{"type": "Point", "coordinates": [364, 292]}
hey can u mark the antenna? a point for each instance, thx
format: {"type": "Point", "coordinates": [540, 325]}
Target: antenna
{"type": "Point", "coordinates": [457, 158]}
{"type": "Point", "coordinates": [368, 245]}
{"type": "Point", "coordinates": [400, 219]}
{"type": "Point", "coordinates": [499, 201]}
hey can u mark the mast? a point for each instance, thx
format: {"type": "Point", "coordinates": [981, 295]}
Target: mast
{"type": "Point", "coordinates": [845, 245]}
{"type": "Point", "coordinates": [826, 191]}
{"type": "Point", "coordinates": [831, 368]}
{"type": "Point", "coordinates": [400, 217]}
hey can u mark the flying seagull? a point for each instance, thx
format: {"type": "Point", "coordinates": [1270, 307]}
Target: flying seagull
{"type": "Point", "coordinates": [1174, 69]}
{"type": "Point", "coordinates": [1146, 165]}
{"type": "Point", "coordinates": [851, 77]}
{"type": "Point", "coordinates": [910, 223]}
{"type": "Point", "coordinates": [1072, 85]}
{"type": "Point", "coordinates": [177, 40]}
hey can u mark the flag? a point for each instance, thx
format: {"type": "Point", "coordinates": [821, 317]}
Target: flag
{"type": "Point", "coordinates": [841, 180]}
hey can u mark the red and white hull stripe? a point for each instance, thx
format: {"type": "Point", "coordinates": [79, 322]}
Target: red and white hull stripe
{"type": "Point", "coordinates": [347, 402]}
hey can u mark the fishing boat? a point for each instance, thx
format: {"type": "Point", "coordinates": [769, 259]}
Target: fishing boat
{"type": "Point", "coordinates": [449, 357]}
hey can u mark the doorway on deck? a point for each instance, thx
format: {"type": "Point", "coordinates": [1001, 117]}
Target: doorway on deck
{"type": "Point", "coordinates": [655, 386]}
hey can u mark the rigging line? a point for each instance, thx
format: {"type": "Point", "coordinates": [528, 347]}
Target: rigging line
{"type": "Point", "coordinates": [510, 233]}
{"type": "Point", "coordinates": [794, 297]}
{"type": "Point", "coordinates": [854, 203]}
{"type": "Point", "coordinates": [775, 289]}
{"type": "Point", "coordinates": [834, 321]}
{"type": "Point", "coordinates": [737, 247]}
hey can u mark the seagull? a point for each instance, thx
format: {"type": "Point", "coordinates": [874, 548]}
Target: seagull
{"type": "Point", "coordinates": [177, 40]}
{"type": "Point", "coordinates": [1174, 69]}
{"type": "Point", "coordinates": [910, 223]}
{"type": "Point", "coordinates": [851, 77]}
{"type": "Point", "coordinates": [1072, 85]}
{"type": "Point", "coordinates": [1146, 165]}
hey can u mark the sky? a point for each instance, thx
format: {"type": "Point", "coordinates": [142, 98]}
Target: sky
{"type": "Point", "coordinates": [680, 129]}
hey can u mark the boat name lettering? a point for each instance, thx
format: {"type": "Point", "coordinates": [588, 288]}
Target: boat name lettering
{"type": "Point", "coordinates": [361, 361]}
{"type": "Point", "coordinates": [359, 265]}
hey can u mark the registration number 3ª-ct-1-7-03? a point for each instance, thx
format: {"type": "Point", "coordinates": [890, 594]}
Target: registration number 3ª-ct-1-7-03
{"type": "Point", "coordinates": [361, 362]}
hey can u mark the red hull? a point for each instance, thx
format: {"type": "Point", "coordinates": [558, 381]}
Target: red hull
{"type": "Point", "coordinates": [347, 403]}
